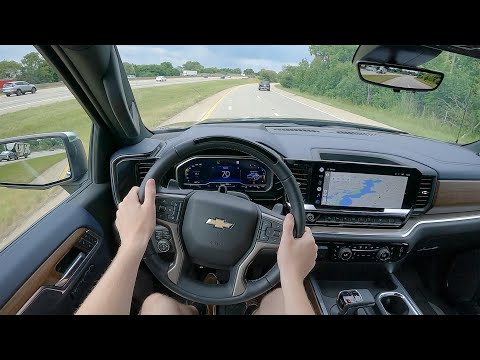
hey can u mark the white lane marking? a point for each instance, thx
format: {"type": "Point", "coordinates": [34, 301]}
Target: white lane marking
{"type": "Point", "coordinates": [35, 102]}
{"type": "Point", "coordinates": [229, 108]}
{"type": "Point", "coordinates": [258, 97]}
{"type": "Point", "coordinates": [276, 114]}
{"type": "Point", "coordinates": [336, 117]}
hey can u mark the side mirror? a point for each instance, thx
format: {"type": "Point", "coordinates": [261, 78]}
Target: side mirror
{"type": "Point", "coordinates": [399, 77]}
{"type": "Point", "coordinates": [41, 161]}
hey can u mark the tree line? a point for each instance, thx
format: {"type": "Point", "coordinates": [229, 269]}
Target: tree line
{"type": "Point", "coordinates": [167, 69]}
{"type": "Point", "coordinates": [32, 68]}
{"type": "Point", "coordinates": [456, 103]}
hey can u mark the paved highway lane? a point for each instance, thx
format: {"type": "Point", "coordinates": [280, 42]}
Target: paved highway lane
{"type": "Point", "coordinates": [248, 102]}
{"type": "Point", "coordinates": [407, 81]}
{"type": "Point", "coordinates": [34, 155]}
{"type": "Point", "coordinates": [61, 93]}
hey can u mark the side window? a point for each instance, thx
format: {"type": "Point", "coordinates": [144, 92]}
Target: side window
{"type": "Point", "coordinates": [55, 111]}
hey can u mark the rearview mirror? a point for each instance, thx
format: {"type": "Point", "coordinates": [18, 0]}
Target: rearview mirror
{"type": "Point", "coordinates": [41, 161]}
{"type": "Point", "coordinates": [399, 77]}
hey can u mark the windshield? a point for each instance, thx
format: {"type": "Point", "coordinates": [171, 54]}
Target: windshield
{"type": "Point", "coordinates": [308, 82]}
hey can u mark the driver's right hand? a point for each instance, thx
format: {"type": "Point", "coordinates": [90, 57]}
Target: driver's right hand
{"type": "Point", "coordinates": [296, 256]}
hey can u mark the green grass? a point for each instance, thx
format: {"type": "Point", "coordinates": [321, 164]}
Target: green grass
{"type": "Point", "coordinates": [379, 78]}
{"type": "Point", "coordinates": [24, 171]}
{"type": "Point", "coordinates": [430, 83]}
{"type": "Point", "coordinates": [156, 105]}
{"type": "Point", "coordinates": [425, 127]}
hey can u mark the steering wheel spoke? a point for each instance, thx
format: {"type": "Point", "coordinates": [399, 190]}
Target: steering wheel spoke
{"type": "Point", "coordinates": [169, 213]}
{"type": "Point", "coordinates": [269, 226]}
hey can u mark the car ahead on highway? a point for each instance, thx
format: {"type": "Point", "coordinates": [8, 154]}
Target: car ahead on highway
{"type": "Point", "coordinates": [160, 78]}
{"type": "Point", "coordinates": [18, 88]}
{"type": "Point", "coordinates": [264, 85]}
{"type": "Point", "coordinates": [131, 76]}
{"type": "Point", "coordinates": [8, 155]}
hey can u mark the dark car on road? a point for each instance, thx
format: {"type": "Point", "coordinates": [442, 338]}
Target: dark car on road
{"type": "Point", "coordinates": [18, 88]}
{"type": "Point", "coordinates": [264, 85]}
{"type": "Point", "coordinates": [8, 155]}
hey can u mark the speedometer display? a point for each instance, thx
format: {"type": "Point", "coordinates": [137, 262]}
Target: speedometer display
{"type": "Point", "coordinates": [234, 173]}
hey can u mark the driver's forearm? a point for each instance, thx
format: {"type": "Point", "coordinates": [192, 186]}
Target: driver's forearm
{"type": "Point", "coordinates": [295, 298]}
{"type": "Point", "coordinates": [113, 293]}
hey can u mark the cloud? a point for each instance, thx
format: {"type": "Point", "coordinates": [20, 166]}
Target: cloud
{"type": "Point", "coordinates": [256, 57]}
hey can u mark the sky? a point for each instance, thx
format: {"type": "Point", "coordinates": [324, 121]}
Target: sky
{"type": "Point", "coordinates": [256, 57]}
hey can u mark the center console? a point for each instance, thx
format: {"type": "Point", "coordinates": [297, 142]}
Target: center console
{"type": "Point", "coordinates": [361, 293]}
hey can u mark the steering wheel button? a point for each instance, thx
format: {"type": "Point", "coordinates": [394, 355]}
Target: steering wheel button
{"type": "Point", "coordinates": [277, 226]}
{"type": "Point", "coordinates": [269, 231]}
{"type": "Point", "coordinates": [263, 237]}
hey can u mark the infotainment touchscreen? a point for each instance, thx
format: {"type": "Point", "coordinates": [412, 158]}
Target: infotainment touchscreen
{"type": "Point", "coordinates": [337, 185]}
{"type": "Point", "coordinates": [363, 190]}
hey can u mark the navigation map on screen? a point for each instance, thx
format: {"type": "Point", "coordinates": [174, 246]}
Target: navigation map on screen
{"type": "Point", "coordinates": [363, 190]}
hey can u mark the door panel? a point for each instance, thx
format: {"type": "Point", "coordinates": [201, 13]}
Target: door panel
{"type": "Point", "coordinates": [32, 265]}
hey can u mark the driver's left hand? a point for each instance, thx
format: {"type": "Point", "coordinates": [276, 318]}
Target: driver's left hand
{"type": "Point", "coordinates": [135, 222]}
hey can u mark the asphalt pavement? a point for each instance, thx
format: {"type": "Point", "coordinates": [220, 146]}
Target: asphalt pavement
{"type": "Point", "coordinates": [406, 81]}
{"type": "Point", "coordinates": [34, 155]}
{"type": "Point", "coordinates": [61, 93]}
{"type": "Point", "coordinates": [248, 102]}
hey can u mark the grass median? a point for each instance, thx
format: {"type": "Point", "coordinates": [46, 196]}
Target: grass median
{"type": "Point", "coordinates": [156, 105]}
{"type": "Point", "coordinates": [420, 126]}
{"type": "Point", "coordinates": [26, 171]}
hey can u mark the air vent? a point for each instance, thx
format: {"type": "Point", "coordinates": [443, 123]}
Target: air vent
{"type": "Point", "coordinates": [301, 173]}
{"type": "Point", "coordinates": [141, 169]}
{"type": "Point", "coordinates": [293, 129]}
{"type": "Point", "coordinates": [346, 132]}
{"type": "Point", "coordinates": [424, 192]}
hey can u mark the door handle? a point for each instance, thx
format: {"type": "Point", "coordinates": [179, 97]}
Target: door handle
{"type": "Point", "coordinates": [71, 270]}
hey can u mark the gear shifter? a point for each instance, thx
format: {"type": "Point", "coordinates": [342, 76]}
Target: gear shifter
{"type": "Point", "coordinates": [349, 301]}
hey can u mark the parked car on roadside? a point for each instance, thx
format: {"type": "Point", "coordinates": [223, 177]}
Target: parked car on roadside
{"type": "Point", "coordinates": [18, 88]}
{"type": "Point", "coordinates": [8, 155]}
{"type": "Point", "coordinates": [160, 78]}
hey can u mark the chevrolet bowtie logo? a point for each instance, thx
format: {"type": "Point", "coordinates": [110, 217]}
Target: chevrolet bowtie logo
{"type": "Point", "coordinates": [219, 223]}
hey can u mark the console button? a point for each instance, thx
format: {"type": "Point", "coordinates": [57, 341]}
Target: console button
{"type": "Point", "coordinates": [345, 253]}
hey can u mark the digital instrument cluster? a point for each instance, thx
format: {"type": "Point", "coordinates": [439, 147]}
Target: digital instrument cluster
{"type": "Point", "coordinates": [235, 173]}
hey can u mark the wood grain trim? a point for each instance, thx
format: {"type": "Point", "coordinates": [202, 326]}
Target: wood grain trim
{"type": "Point", "coordinates": [44, 275]}
{"type": "Point", "coordinates": [456, 196]}
{"type": "Point", "coordinates": [311, 296]}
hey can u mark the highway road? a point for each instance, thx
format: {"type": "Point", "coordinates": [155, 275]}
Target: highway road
{"type": "Point", "coordinates": [34, 155]}
{"type": "Point", "coordinates": [407, 81]}
{"type": "Point", "coordinates": [248, 102]}
{"type": "Point", "coordinates": [61, 93]}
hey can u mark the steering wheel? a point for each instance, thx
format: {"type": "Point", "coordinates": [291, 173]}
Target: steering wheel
{"type": "Point", "coordinates": [218, 230]}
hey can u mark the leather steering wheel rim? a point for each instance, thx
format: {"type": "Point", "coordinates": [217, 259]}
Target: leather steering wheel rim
{"type": "Point", "coordinates": [194, 290]}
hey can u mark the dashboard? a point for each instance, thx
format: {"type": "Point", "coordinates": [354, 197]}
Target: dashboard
{"type": "Point", "coordinates": [365, 192]}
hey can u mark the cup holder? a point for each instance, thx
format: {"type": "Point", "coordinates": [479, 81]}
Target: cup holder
{"type": "Point", "coordinates": [394, 303]}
